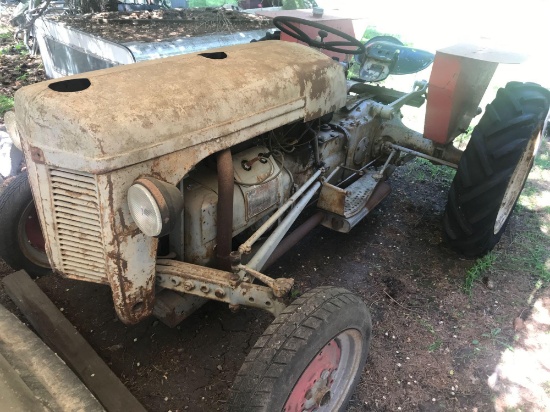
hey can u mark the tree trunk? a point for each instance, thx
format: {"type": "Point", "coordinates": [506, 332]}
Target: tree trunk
{"type": "Point", "coordinates": [91, 6]}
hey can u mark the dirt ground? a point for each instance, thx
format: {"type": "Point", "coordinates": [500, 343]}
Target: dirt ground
{"type": "Point", "coordinates": [434, 346]}
{"type": "Point", "coordinates": [16, 69]}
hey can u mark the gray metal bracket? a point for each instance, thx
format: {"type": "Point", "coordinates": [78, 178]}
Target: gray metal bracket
{"type": "Point", "coordinates": [216, 285]}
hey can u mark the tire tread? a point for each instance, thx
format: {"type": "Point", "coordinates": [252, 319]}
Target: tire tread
{"type": "Point", "coordinates": [13, 200]}
{"type": "Point", "coordinates": [496, 146]}
{"type": "Point", "coordinates": [260, 373]}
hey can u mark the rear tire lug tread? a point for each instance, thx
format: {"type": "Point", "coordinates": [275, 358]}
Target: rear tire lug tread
{"type": "Point", "coordinates": [487, 164]}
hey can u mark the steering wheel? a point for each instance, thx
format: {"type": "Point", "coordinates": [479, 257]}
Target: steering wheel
{"type": "Point", "coordinates": [289, 25]}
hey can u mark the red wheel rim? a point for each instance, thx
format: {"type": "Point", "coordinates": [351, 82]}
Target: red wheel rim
{"type": "Point", "coordinates": [327, 382]}
{"type": "Point", "coordinates": [30, 237]}
{"type": "Point", "coordinates": [313, 388]}
{"type": "Point", "coordinates": [34, 231]}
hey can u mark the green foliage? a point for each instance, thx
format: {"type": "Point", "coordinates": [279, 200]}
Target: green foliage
{"type": "Point", "coordinates": [6, 103]}
{"type": "Point", "coordinates": [295, 293]}
{"type": "Point", "coordinates": [543, 161]}
{"type": "Point", "coordinates": [494, 333]}
{"type": "Point", "coordinates": [462, 140]}
{"type": "Point", "coordinates": [296, 4]}
{"type": "Point", "coordinates": [90, 6]}
{"type": "Point", "coordinates": [530, 247]}
{"type": "Point", "coordinates": [210, 3]}
{"type": "Point", "coordinates": [497, 338]}
{"type": "Point", "coordinates": [372, 31]}
{"type": "Point", "coordinates": [434, 346]}
{"type": "Point", "coordinates": [19, 48]}
{"type": "Point", "coordinates": [428, 326]}
{"type": "Point", "coordinates": [424, 170]}
{"type": "Point", "coordinates": [475, 272]}
{"type": "Point", "coordinates": [23, 77]}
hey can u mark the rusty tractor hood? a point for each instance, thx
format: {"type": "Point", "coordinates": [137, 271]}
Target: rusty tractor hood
{"type": "Point", "coordinates": [109, 119]}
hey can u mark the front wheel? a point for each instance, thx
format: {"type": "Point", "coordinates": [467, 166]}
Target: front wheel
{"type": "Point", "coordinates": [22, 244]}
{"type": "Point", "coordinates": [494, 168]}
{"type": "Point", "coordinates": [309, 359]}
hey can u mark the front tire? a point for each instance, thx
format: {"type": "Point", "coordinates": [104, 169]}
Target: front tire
{"type": "Point", "coordinates": [309, 358]}
{"type": "Point", "coordinates": [494, 168]}
{"type": "Point", "coordinates": [21, 241]}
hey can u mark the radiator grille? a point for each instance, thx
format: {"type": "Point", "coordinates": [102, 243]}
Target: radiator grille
{"type": "Point", "coordinates": [78, 226]}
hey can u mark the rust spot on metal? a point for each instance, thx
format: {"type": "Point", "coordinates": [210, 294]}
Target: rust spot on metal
{"type": "Point", "coordinates": [146, 122]}
{"type": "Point", "coordinates": [37, 155]}
{"type": "Point", "coordinates": [131, 305]}
{"type": "Point", "coordinates": [121, 218]}
{"type": "Point", "coordinates": [332, 199]}
{"type": "Point", "coordinates": [319, 85]}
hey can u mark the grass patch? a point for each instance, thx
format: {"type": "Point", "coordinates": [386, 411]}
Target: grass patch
{"type": "Point", "coordinates": [475, 272]}
{"type": "Point", "coordinates": [543, 161]}
{"type": "Point", "coordinates": [295, 292]}
{"type": "Point", "coordinates": [428, 326]}
{"type": "Point", "coordinates": [527, 253]}
{"type": "Point", "coordinates": [6, 103]}
{"type": "Point", "coordinates": [23, 77]}
{"type": "Point", "coordinates": [423, 170]}
{"type": "Point", "coordinates": [497, 339]}
{"type": "Point", "coordinates": [531, 248]}
{"type": "Point", "coordinates": [530, 241]}
{"type": "Point", "coordinates": [434, 346]}
{"type": "Point", "coordinates": [19, 48]}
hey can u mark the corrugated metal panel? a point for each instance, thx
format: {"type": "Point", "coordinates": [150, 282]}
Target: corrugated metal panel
{"type": "Point", "coordinates": [77, 222]}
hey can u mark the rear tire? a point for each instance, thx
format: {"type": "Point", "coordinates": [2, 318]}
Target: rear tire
{"type": "Point", "coordinates": [494, 168]}
{"type": "Point", "coordinates": [309, 358]}
{"type": "Point", "coordinates": [21, 240]}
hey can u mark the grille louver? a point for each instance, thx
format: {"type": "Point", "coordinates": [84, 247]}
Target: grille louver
{"type": "Point", "coordinates": [78, 226]}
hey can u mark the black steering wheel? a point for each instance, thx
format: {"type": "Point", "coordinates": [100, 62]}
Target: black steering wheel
{"type": "Point", "coordinates": [289, 25]}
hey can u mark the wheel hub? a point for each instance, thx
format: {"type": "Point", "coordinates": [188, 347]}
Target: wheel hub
{"type": "Point", "coordinates": [313, 388]}
{"type": "Point", "coordinates": [319, 394]}
{"type": "Point", "coordinates": [34, 232]}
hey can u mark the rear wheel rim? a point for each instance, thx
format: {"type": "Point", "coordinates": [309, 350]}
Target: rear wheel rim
{"type": "Point", "coordinates": [328, 378]}
{"type": "Point", "coordinates": [30, 238]}
{"type": "Point", "coordinates": [516, 182]}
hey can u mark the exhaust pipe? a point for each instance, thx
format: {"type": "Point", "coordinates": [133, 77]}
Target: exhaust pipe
{"type": "Point", "coordinates": [225, 209]}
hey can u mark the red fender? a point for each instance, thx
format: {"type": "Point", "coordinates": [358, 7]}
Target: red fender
{"type": "Point", "coordinates": [460, 76]}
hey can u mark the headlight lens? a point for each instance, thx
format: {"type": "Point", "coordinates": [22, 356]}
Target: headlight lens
{"type": "Point", "coordinates": [144, 210]}
{"type": "Point", "coordinates": [154, 205]}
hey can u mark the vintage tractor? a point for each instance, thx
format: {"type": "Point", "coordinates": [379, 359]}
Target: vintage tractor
{"type": "Point", "coordinates": [177, 192]}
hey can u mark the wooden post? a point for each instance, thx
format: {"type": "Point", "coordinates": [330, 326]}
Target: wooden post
{"type": "Point", "coordinates": [62, 337]}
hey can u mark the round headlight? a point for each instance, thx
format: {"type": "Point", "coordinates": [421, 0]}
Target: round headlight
{"type": "Point", "coordinates": [154, 205]}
